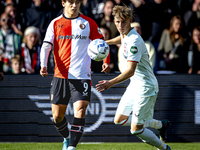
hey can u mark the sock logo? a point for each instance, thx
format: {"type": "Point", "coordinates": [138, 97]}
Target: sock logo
{"type": "Point", "coordinates": [76, 128]}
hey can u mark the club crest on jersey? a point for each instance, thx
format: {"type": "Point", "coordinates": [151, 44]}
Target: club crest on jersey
{"type": "Point", "coordinates": [82, 26]}
{"type": "Point", "coordinates": [134, 50]}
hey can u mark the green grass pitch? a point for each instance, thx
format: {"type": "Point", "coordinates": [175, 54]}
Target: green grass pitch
{"type": "Point", "coordinates": [96, 146]}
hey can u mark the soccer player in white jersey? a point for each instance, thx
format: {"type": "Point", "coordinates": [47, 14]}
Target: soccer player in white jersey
{"type": "Point", "coordinates": [70, 34]}
{"type": "Point", "coordinates": [140, 95]}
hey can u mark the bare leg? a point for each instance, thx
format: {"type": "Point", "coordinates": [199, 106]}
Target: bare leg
{"type": "Point", "coordinates": [77, 127]}
{"type": "Point", "coordinates": [60, 121]}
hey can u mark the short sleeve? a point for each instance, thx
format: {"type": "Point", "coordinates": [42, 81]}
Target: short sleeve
{"type": "Point", "coordinates": [134, 52]}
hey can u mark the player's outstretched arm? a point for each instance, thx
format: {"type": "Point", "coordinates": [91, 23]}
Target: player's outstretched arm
{"type": "Point", "coordinates": [114, 41]}
{"type": "Point", "coordinates": [106, 84]}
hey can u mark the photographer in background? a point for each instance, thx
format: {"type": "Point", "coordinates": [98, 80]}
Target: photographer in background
{"type": "Point", "coordinates": [10, 41]}
{"type": "Point", "coordinates": [16, 25]}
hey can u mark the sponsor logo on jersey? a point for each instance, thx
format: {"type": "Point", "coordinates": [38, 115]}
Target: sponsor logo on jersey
{"type": "Point", "coordinates": [82, 26]}
{"type": "Point", "coordinates": [60, 26]}
{"type": "Point", "coordinates": [134, 50]}
{"type": "Point", "coordinates": [72, 37]}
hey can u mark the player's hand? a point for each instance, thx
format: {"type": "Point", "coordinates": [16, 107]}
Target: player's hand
{"type": "Point", "coordinates": [43, 71]}
{"type": "Point", "coordinates": [103, 85]}
{"type": "Point", "coordinates": [1, 76]}
{"type": "Point", "coordinates": [105, 68]}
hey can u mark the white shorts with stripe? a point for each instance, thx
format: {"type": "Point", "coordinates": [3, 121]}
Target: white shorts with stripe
{"type": "Point", "coordinates": [142, 108]}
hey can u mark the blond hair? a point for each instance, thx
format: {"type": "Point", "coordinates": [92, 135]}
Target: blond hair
{"type": "Point", "coordinates": [29, 30]}
{"type": "Point", "coordinates": [122, 12]}
{"type": "Point", "coordinates": [16, 58]}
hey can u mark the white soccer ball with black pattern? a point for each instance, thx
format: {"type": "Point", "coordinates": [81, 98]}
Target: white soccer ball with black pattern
{"type": "Point", "coordinates": [98, 50]}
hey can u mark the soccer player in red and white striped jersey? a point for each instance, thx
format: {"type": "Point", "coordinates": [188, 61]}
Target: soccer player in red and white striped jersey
{"type": "Point", "coordinates": [69, 35]}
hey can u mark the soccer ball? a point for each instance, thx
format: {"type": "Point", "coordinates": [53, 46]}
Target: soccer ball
{"type": "Point", "coordinates": [98, 50]}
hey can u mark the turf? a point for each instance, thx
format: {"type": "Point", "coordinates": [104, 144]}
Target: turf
{"type": "Point", "coordinates": [96, 146]}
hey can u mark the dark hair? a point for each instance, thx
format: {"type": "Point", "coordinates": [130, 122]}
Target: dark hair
{"type": "Point", "coordinates": [109, 1]}
{"type": "Point", "coordinates": [105, 27]}
{"type": "Point", "coordinates": [70, 0]}
{"type": "Point", "coordinates": [9, 4]}
{"type": "Point", "coordinates": [195, 28]}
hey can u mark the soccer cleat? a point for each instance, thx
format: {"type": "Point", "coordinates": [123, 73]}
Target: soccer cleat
{"type": "Point", "coordinates": [163, 131]}
{"type": "Point", "coordinates": [65, 144]}
{"type": "Point", "coordinates": [168, 148]}
{"type": "Point", "coordinates": [71, 148]}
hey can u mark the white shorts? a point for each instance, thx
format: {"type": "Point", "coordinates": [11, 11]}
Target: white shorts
{"type": "Point", "coordinates": [142, 108]}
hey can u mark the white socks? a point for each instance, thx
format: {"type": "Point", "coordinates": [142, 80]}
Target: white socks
{"type": "Point", "coordinates": [71, 148]}
{"type": "Point", "coordinates": [150, 138]}
{"type": "Point", "coordinates": [156, 124]}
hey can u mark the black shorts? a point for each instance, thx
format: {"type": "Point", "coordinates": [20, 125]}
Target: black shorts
{"type": "Point", "coordinates": [62, 90]}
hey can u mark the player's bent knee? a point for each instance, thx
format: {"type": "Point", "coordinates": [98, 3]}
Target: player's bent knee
{"type": "Point", "coordinates": [121, 123]}
{"type": "Point", "coordinates": [117, 123]}
{"type": "Point", "coordinates": [136, 127]}
{"type": "Point", "coordinates": [57, 119]}
{"type": "Point", "coordinates": [137, 132]}
{"type": "Point", "coordinates": [80, 113]}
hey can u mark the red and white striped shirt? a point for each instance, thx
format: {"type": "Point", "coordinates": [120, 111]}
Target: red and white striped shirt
{"type": "Point", "coordinates": [70, 38]}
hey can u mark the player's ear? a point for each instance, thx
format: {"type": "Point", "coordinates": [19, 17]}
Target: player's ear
{"type": "Point", "coordinates": [63, 3]}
